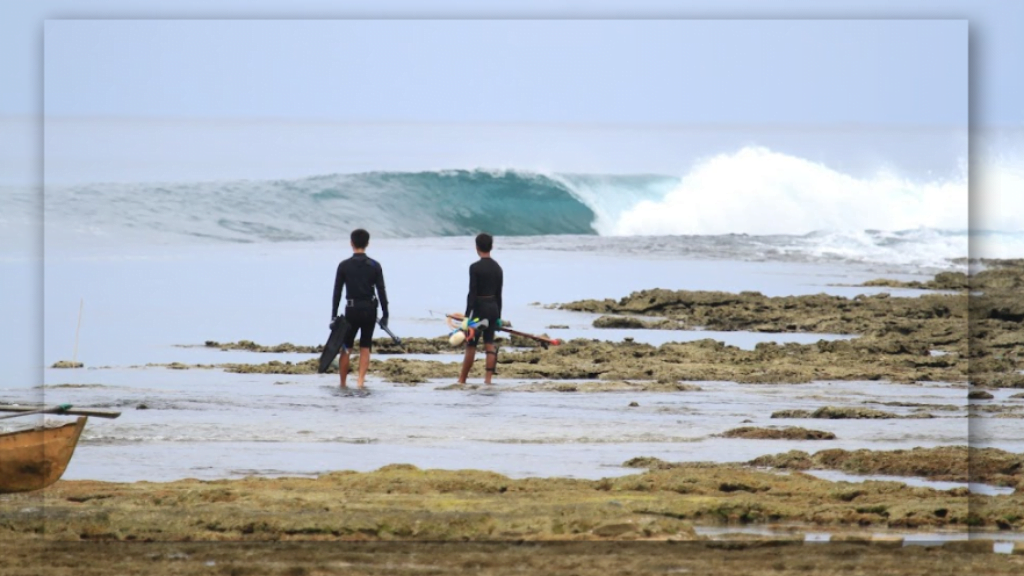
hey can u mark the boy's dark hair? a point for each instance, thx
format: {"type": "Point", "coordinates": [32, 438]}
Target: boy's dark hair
{"type": "Point", "coordinates": [484, 242]}
{"type": "Point", "coordinates": [360, 238]}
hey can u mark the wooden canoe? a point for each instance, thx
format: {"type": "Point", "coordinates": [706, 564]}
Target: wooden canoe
{"type": "Point", "coordinates": [35, 458]}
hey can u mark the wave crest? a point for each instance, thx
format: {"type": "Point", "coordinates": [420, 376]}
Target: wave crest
{"type": "Point", "coordinates": [757, 191]}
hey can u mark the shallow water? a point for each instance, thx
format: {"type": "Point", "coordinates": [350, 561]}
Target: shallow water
{"type": "Point", "coordinates": [142, 301]}
{"type": "Point", "coordinates": [1002, 542]}
{"type": "Point", "coordinates": [211, 424]}
{"type": "Point", "coordinates": [975, 487]}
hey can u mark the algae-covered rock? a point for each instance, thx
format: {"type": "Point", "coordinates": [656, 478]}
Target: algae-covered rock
{"type": "Point", "coordinates": [67, 364]}
{"type": "Point", "coordinates": [995, 325]}
{"type": "Point", "coordinates": [405, 502]}
{"type": "Point", "coordinates": [833, 412]}
{"type": "Point", "coordinates": [811, 313]}
{"type": "Point", "coordinates": [309, 366]}
{"type": "Point", "coordinates": [791, 414]}
{"type": "Point", "coordinates": [787, 433]}
{"type": "Point", "coordinates": [899, 333]}
{"type": "Point", "coordinates": [647, 462]}
{"type": "Point", "coordinates": [944, 463]}
{"type": "Point", "coordinates": [942, 281]}
{"type": "Point", "coordinates": [399, 370]}
{"type": "Point", "coordinates": [950, 281]}
{"type": "Point", "coordinates": [619, 322]}
{"type": "Point", "coordinates": [437, 345]}
{"type": "Point", "coordinates": [793, 460]}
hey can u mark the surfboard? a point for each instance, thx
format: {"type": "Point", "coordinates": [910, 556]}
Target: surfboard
{"type": "Point", "coordinates": [334, 344]}
{"type": "Point", "coordinates": [454, 318]}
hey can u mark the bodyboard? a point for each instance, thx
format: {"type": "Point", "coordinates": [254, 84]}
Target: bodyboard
{"type": "Point", "coordinates": [334, 344]}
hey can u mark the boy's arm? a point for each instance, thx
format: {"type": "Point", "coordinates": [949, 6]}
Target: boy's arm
{"type": "Point", "coordinates": [339, 282]}
{"type": "Point", "coordinates": [471, 298]}
{"type": "Point", "coordinates": [382, 296]}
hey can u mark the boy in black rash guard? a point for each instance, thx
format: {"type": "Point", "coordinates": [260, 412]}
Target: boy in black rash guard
{"type": "Point", "coordinates": [483, 301]}
{"type": "Point", "coordinates": [360, 274]}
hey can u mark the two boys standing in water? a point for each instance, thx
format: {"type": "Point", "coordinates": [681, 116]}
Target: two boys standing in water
{"type": "Point", "coordinates": [361, 275]}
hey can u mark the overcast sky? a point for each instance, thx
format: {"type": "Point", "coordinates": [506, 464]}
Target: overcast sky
{"type": "Point", "coordinates": [994, 32]}
{"type": "Point", "coordinates": [628, 71]}
{"type": "Point", "coordinates": [996, 38]}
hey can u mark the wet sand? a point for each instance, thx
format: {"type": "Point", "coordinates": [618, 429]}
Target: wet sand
{"type": "Point", "coordinates": [404, 502]}
{"type": "Point", "coordinates": [499, 558]}
{"type": "Point", "coordinates": [424, 520]}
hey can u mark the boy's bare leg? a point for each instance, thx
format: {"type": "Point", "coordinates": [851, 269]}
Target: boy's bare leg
{"type": "Point", "coordinates": [467, 363]}
{"type": "Point", "coordinates": [343, 367]}
{"type": "Point", "coordinates": [364, 364]}
{"type": "Point", "coordinates": [490, 363]}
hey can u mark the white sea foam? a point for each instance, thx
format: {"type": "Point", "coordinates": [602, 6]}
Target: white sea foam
{"type": "Point", "coordinates": [761, 192]}
{"type": "Point", "coordinates": [998, 193]}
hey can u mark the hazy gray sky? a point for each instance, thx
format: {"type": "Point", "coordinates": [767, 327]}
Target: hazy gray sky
{"type": "Point", "coordinates": [561, 95]}
{"type": "Point", "coordinates": [778, 72]}
{"type": "Point", "coordinates": [996, 30]}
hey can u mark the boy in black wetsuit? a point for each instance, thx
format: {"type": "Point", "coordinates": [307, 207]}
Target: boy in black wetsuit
{"type": "Point", "coordinates": [484, 301]}
{"type": "Point", "coordinates": [360, 274]}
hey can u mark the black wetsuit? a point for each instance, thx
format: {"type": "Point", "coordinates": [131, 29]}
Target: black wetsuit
{"type": "Point", "coordinates": [484, 299]}
{"type": "Point", "coordinates": [360, 274]}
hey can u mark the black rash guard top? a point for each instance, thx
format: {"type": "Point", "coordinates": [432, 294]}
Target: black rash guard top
{"type": "Point", "coordinates": [485, 280]}
{"type": "Point", "coordinates": [360, 274]}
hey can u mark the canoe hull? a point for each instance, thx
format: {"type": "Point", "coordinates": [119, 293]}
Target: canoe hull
{"type": "Point", "coordinates": [34, 459]}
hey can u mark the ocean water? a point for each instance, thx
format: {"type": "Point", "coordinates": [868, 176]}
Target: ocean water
{"type": "Point", "coordinates": [207, 424]}
{"type": "Point", "coordinates": [136, 308]}
{"type": "Point", "coordinates": [754, 203]}
{"type": "Point", "coordinates": [140, 303]}
{"type": "Point", "coordinates": [152, 266]}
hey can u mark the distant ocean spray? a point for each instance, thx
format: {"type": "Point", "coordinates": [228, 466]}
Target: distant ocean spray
{"type": "Point", "coordinates": [754, 192]}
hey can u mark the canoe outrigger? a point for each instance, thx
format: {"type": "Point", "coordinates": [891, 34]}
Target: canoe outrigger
{"type": "Point", "coordinates": [461, 331]}
{"type": "Point", "coordinates": [36, 457]}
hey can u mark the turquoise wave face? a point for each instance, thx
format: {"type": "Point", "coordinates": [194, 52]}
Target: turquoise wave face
{"type": "Point", "coordinates": [389, 204]}
{"type": "Point", "coordinates": [457, 202]}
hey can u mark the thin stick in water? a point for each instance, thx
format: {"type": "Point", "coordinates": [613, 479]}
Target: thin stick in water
{"type": "Point", "coordinates": [74, 356]}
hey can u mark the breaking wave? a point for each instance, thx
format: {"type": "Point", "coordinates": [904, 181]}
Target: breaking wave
{"type": "Point", "coordinates": [753, 191]}
{"type": "Point", "coordinates": [767, 198]}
